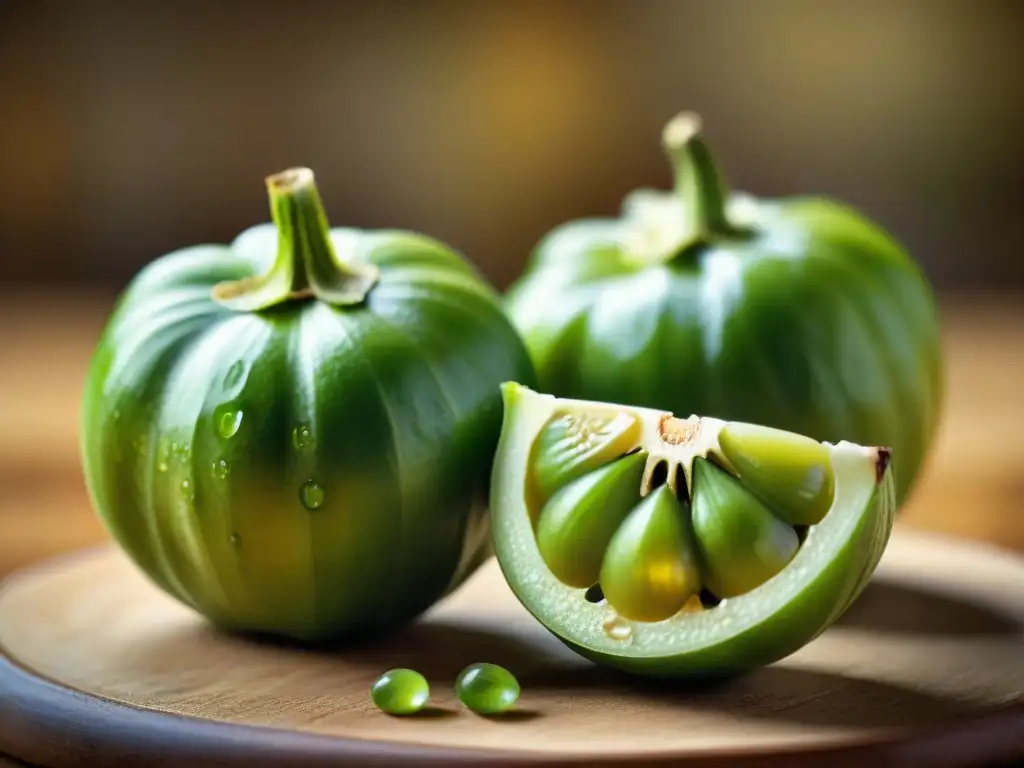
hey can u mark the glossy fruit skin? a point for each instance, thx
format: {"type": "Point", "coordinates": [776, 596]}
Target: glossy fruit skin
{"type": "Point", "coordinates": [400, 692]}
{"type": "Point", "coordinates": [487, 689]}
{"type": "Point", "coordinates": [307, 470]}
{"type": "Point", "coordinates": [805, 317]}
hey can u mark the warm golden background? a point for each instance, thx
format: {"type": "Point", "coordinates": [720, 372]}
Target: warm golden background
{"type": "Point", "coordinates": [130, 129]}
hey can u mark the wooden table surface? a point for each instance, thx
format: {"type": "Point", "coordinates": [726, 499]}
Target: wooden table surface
{"type": "Point", "coordinates": [973, 487]}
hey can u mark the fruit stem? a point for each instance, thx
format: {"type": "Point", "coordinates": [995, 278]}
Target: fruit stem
{"type": "Point", "coordinates": [307, 264]}
{"type": "Point", "coordinates": [698, 185]}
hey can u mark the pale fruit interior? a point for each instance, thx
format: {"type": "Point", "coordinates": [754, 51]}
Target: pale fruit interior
{"type": "Point", "coordinates": [651, 515]}
{"type": "Point", "coordinates": [665, 530]}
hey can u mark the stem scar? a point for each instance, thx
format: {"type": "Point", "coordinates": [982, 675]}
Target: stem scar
{"type": "Point", "coordinates": [673, 431]}
{"type": "Point", "coordinates": [882, 462]}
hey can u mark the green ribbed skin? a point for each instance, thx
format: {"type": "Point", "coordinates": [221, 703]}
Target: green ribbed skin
{"type": "Point", "coordinates": [306, 470]}
{"type": "Point", "coordinates": [806, 317]}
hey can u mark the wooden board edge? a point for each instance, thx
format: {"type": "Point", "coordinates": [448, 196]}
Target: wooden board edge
{"type": "Point", "coordinates": [47, 724]}
{"type": "Point", "coordinates": [50, 725]}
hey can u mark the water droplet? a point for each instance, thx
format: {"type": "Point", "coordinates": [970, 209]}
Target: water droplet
{"type": "Point", "coordinates": [234, 539]}
{"type": "Point", "coordinates": [617, 628]}
{"type": "Point", "coordinates": [303, 439]}
{"type": "Point", "coordinates": [186, 489]}
{"type": "Point", "coordinates": [115, 415]}
{"type": "Point", "coordinates": [162, 454]}
{"type": "Point", "coordinates": [693, 605]}
{"type": "Point", "coordinates": [234, 374]}
{"type": "Point", "coordinates": [312, 495]}
{"type": "Point", "coordinates": [221, 469]}
{"type": "Point", "coordinates": [229, 423]}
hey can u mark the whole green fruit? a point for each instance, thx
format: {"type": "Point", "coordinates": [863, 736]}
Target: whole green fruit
{"type": "Point", "coordinates": [293, 433]}
{"type": "Point", "coordinates": [795, 313]}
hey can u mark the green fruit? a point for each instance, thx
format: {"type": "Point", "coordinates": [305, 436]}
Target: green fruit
{"type": "Point", "coordinates": [293, 433]}
{"type": "Point", "coordinates": [573, 444]}
{"type": "Point", "coordinates": [789, 472]}
{"type": "Point", "coordinates": [649, 570]}
{"type": "Point", "coordinates": [400, 692]}
{"type": "Point", "coordinates": [798, 313]}
{"type": "Point", "coordinates": [487, 689]}
{"type": "Point", "coordinates": [741, 543]}
{"type": "Point", "coordinates": [703, 570]}
{"type": "Point", "coordinates": [579, 521]}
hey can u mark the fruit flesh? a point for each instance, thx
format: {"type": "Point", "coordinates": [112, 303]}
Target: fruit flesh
{"type": "Point", "coordinates": [767, 615]}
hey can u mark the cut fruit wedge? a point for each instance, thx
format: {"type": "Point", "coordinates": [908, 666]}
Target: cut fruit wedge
{"type": "Point", "coordinates": [681, 547]}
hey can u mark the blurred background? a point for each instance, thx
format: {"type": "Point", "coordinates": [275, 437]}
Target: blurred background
{"type": "Point", "coordinates": [131, 129]}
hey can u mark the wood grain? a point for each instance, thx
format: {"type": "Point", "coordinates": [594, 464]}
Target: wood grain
{"type": "Point", "coordinates": [927, 664]}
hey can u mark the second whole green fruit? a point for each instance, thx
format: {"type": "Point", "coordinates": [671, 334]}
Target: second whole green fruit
{"type": "Point", "coordinates": [795, 313]}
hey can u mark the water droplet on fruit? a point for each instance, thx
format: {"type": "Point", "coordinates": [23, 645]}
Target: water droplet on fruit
{"type": "Point", "coordinates": [228, 423]}
{"type": "Point", "coordinates": [312, 495]}
{"type": "Point", "coordinates": [162, 452]}
{"type": "Point", "coordinates": [234, 374]}
{"type": "Point", "coordinates": [221, 469]}
{"type": "Point", "coordinates": [617, 628]}
{"type": "Point", "coordinates": [234, 540]}
{"type": "Point", "coordinates": [302, 438]}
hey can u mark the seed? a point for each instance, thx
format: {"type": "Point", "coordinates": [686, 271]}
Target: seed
{"type": "Point", "coordinates": [571, 445]}
{"type": "Point", "coordinates": [650, 567]}
{"type": "Point", "coordinates": [576, 525]}
{"type": "Point", "coordinates": [400, 692]}
{"type": "Point", "coordinates": [487, 689]}
{"type": "Point", "coordinates": [742, 544]}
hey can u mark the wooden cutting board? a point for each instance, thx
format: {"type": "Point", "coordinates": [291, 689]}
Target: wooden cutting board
{"type": "Point", "coordinates": [98, 668]}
